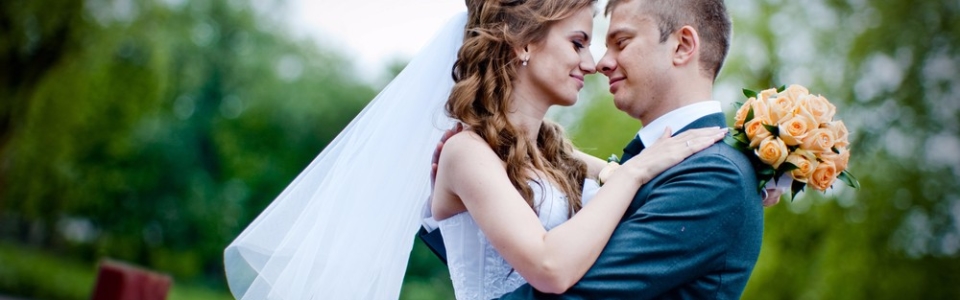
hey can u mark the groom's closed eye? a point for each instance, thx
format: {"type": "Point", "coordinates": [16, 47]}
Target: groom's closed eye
{"type": "Point", "coordinates": [616, 38]}
{"type": "Point", "coordinates": [620, 42]}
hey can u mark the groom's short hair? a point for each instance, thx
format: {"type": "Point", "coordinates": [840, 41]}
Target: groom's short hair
{"type": "Point", "coordinates": [708, 17]}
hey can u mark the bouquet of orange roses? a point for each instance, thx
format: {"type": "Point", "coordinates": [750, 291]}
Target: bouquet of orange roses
{"type": "Point", "coordinates": [790, 134]}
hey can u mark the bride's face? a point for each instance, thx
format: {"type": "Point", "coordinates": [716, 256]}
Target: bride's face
{"type": "Point", "coordinates": [558, 63]}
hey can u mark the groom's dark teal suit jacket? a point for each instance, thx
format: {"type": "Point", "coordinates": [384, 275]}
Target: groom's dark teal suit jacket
{"type": "Point", "coordinates": [693, 232]}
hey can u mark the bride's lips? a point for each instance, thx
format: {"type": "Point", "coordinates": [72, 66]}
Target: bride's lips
{"type": "Point", "coordinates": [613, 87]}
{"type": "Point", "coordinates": [579, 80]}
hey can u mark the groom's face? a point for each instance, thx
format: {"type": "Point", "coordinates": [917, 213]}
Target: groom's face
{"type": "Point", "coordinates": [637, 64]}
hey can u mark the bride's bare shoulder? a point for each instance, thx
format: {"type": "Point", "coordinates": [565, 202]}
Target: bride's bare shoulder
{"type": "Point", "coordinates": [469, 151]}
{"type": "Point", "coordinates": [465, 157]}
{"type": "Point", "coordinates": [466, 142]}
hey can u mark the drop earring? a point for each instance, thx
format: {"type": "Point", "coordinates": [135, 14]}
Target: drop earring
{"type": "Point", "coordinates": [525, 62]}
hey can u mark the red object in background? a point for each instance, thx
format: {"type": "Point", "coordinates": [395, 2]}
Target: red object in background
{"type": "Point", "coordinates": [119, 281]}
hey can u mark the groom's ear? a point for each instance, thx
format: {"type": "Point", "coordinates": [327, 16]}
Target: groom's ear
{"type": "Point", "coordinates": [687, 46]}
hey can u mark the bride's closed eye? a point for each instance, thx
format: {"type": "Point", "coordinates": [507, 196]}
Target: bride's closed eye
{"type": "Point", "coordinates": [577, 45]}
{"type": "Point", "coordinates": [580, 39]}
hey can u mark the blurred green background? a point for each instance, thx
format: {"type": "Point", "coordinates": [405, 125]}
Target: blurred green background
{"type": "Point", "coordinates": [153, 133]}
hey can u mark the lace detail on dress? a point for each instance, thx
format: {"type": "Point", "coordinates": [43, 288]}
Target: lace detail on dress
{"type": "Point", "coordinates": [498, 276]}
{"type": "Point", "coordinates": [458, 267]}
{"type": "Point", "coordinates": [477, 270]}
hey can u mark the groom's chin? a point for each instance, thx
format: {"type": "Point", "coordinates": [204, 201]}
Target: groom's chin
{"type": "Point", "coordinates": [622, 105]}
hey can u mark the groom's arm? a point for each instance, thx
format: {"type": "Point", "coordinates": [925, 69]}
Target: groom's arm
{"type": "Point", "coordinates": [594, 164]}
{"type": "Point", "coordinates": [687, 222]}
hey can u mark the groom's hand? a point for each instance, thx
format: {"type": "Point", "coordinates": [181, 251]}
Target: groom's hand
{"type": "Point", "coordinates": [436, 153]}
{"type": "Point", "coordinates": [771, 197]}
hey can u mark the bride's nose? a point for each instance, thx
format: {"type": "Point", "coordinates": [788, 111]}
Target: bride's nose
{"type": "Point", "coordinates": [587, 65]}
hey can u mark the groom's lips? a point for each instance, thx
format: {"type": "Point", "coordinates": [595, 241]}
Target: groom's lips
{"type": "Point", "coordinates": [613, 88]}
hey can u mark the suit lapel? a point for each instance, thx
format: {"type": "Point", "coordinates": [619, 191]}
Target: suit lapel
{"type": "Point", "coordinates": [636, 145]}
{"type": "Point", "coordinates": [710, 120]}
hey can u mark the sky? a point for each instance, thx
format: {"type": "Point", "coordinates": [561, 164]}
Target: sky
{"type": "Point", "coordinates": [373, 32]}
{"type": "Point", "coordinates": [377, 32]}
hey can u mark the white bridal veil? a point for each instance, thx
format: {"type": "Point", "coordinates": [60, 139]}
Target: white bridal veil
{"type": "Point", "coordinates": [344, 228]}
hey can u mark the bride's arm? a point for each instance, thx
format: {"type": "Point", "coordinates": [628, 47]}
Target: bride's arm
{"type": "Point", "coordinates": [551, 261]}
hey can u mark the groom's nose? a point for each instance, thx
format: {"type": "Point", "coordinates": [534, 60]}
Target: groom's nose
{"type": "Point", "coordinates": [607, 64]}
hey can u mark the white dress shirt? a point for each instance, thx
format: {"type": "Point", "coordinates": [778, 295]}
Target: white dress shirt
{"type": "Point", "coordinates": [677, 119]}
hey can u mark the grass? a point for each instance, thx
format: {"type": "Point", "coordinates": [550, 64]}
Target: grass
{"type": "Point", "coordinates": [32, 273]}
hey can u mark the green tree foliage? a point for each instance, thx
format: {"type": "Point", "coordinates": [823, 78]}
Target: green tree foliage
{"type": "Point", "coordinates": [154, 132]}
{"type": "Point", "coordinates": [33, 42]}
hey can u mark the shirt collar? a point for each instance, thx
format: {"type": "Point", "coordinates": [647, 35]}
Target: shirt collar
{"type": "Point", "coordinates": [677, 119]}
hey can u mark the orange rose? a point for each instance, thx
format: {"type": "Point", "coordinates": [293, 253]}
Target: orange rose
{"type": "Point", "coordinates": [772, 151]}
{"type": "Point", "coordinates": [806, 162]}
{"type": "Point", "coordinates": [839, 160]}
{"type": "Point", "coordinates": [801, 107]}
{"type": "Point", "coordinates": [741, 116]}
{"type": "Point", "coordinates": [823, 176]}
{"type": "Point", "coordinates": [756, 132]}
{"type": "Point", "coordinates": [780, 108]}
{"type": "Point", "coordinates": [839, 131]}
{"type": "Point", "coordinates": [794, 129]}
{"type": "Point", "coordinates": [765, 94]}
{"type": "Point", "coordinates": [821, 108]}
{"type": "Point", "coordinates": [762, 112]}
{"type": "Point", "coordinates": [818, 140]}
{"type": "Point", "coordinates": [794, 92]}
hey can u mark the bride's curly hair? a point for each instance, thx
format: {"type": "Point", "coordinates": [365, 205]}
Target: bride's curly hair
{"type": "Point", "coordinates": [483, 75]}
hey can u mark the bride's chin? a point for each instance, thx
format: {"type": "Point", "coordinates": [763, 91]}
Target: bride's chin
{"type": "Point", "coordinates": [568, 99]}
{"type": "Point", "coordinates": [568, 102]}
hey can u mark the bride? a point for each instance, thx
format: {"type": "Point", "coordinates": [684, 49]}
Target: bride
{"type": "Point", "coordinates": [506, 185]}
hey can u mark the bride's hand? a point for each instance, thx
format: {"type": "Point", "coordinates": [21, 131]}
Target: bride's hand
{"type": "Point", "coordinates": [669, 151]}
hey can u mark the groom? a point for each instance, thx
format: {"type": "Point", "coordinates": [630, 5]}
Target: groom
{"type": "Point", "coordinates": [693, 232]}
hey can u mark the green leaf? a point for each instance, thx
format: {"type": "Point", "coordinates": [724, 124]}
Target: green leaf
{"type": "Point", "coordinates": [763, 183]}
{"type": "Point", "coordinates": [766, 172]}
{"type": "Point", "coordinates": [742, 137]}
{"type": "Point", "coordinates": [849, 179]}
{"type": "Point", "coordinates": [749, 93]}
{"type": "Point", "coordinates": [795, 189]}
{"type": "Point", "coordinates": [737, 105]}
{"type": "Point", "coordinates": [774, 130]}
{"type": "Point", "coordinates": [736, 144]}
{"type": "Point", "coordinates": [784, 168]}
{"type": "Point", "coordinates": [787, 167]}
{"type": "Point", "coordinates": [749, 116]}
{"type": "Point", "coordinates": [781, 88]}
{"type": "Point", "coordinates": [835, 150]}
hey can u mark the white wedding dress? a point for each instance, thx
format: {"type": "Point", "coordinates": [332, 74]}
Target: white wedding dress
{"type": "Point", "coordinates": [476, 269]}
